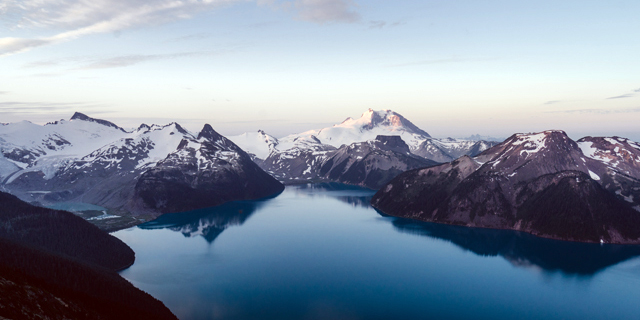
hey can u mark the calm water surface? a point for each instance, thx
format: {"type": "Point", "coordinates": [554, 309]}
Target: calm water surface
{"type": "Point", "coordinates": [321, 252]}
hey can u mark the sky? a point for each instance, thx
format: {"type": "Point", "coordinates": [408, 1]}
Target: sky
{"type": "Point", "coordinates": [454, 68]}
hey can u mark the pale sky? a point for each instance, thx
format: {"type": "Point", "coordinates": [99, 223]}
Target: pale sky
{"type": "Point", "coordinates": [454, 68]}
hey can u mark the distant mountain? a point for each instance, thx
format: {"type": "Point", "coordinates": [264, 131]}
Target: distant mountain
{"type": "Point", "coordinates": [539, 183]}
{"type": "Point", "coordinates": [55, 265]}
{"type": "Point", "coordinates": [94, 161]}
{"type": "Point", "coordinates": [299, 157]}
{"type": "Point", "coordinates": [477, 137]}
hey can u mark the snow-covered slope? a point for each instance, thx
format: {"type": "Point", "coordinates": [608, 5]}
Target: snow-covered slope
{"type": "Point", "coordinates": [94, 161]}
{"type": "Point", "coordinates": [370, 125]}
{"type": "Point", "coordinates": [257, 143]}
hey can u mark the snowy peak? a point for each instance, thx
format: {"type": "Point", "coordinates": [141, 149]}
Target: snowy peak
{"type": "Point", "coordinates": [84, 117]}
{"type": "Point", "coordinates": [382, 118]}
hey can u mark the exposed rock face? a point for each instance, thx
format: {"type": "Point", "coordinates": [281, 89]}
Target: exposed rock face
{"type": "Point", "coordinates": [203, 172]}
{"type": "Point", "coordinates": [371, 164]}
{"type": "Point", "coordinates": [539, 183]}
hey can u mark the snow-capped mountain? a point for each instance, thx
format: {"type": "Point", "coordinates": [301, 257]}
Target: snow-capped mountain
{"type": "Point", "coordinates": [94, 161]}
{"type": "Point", "coordinates": [299, 157]}
{"type": "Point", "coordinates": [370, 125]}
{"type": "Point", "coordinates": [366, 128]}
{"type": "Point", "coordinates": [203, 172]}
{"type": "Point", "coordinates": [543, 183]}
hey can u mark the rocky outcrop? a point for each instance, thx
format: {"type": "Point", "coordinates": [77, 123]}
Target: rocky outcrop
{"type": "Point", "coordinates": [371, 164]}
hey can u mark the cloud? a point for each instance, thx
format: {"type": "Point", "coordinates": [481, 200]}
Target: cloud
{"type": "Point", "coordinates": [598, 111]}
{"type": "Point", "coordinates": [4, 92]}
{"type": "Point", "coordinates": [197, 36]}
{"type": "Point", "coordinates": [377, 24]}
{"type": "Point", "coordinates": [81, 17]}
{"type": "Point", "coordinates": [87, 63]}
{"type": "Point", "coordinates": [18, 107]}
{"type": "Point", "coordinates": [552, 102]}
{"type": "Point", "coordinates": [628, 95]}
{"type": "Point", "coordinates": [129, 60]}
{"type": "Point", "coordinates": [636, 90]}
{"type": "Point", "coordinates": [322, 11]}
{"type": "Point", "coordinates": [438, 61]}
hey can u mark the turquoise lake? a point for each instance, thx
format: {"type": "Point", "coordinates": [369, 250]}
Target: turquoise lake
{"type": "Point", "coordinates": [319, 251]}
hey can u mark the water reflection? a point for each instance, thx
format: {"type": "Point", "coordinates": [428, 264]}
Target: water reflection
{"type": "Point", "coordinates": [353, 195]}
{"type": "Point", "coordinates": [524, 250]}
{"type": "Point", "coordinates": [209, 222]}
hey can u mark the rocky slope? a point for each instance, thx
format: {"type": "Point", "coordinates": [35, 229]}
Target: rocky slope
{"type": "Point", "coordinates": [372, 163]}
{"type": "Point", "coordinates": [539, 183]}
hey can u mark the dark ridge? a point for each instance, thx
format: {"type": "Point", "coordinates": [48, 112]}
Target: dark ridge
{"type": "Point", "coordinates": [179, 128]}
{"type": "Point", "coordinates": [61, 232]}
{"type": "Point", "coordinates": [208, 132]}
{"type": "Point", "coordinates": [183, 143]}
{"type": "Point", "coordinates": [38, 284]}
{"type": "Point", "coordinates": [84, 117]}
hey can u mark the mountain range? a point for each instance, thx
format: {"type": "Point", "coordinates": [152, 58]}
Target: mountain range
{"type": "Point", "coordinates": [156, 169]}
{"type": "Point", "coordinates": [542, 183]}
{"type": "Point", "coordinates": [143, 172]}
{"type": "Point", "coordinates": [336, 153]}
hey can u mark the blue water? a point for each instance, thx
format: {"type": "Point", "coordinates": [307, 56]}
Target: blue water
{"type": "Point", "coordinates": [321, 252]}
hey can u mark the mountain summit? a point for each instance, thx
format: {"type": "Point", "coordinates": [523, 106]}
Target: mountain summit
{"type": "Point", "coordinates": [370, 125]}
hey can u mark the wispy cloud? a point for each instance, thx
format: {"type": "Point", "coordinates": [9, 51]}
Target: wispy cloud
{"type": "Point", "coordinates": [636, 90]}
{"type": "Point", "coordinates": [552, 102]}
{"type": "Point", "coordinates": [4, 92]}
{"type": "Point", "coordinates": [598, 111]}
{"type": "Point", "coordinates": [628, 95]}
{"type": "Point", "coordinates": [438, 61]}
{"type": "Point", "coordinates": [79, 18]}
{"type": "Point", "coordinates": [36, 107]}
{"type": "Point", "coordinates": [87, 63]}
{"type": "Point", "coordinates": [379, 24]}
{"type": "Point", "coordinates": [129, 60]}
{"type": "Point", "coordinates": [197, 36]}
{"type": "Point", "coordinates": [322, 11]}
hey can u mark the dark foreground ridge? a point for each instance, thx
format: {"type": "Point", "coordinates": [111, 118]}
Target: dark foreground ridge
{"type": "Point", "coordinates": [57, 266]}
{"type": "Point", "coordinates": [540, 183]}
